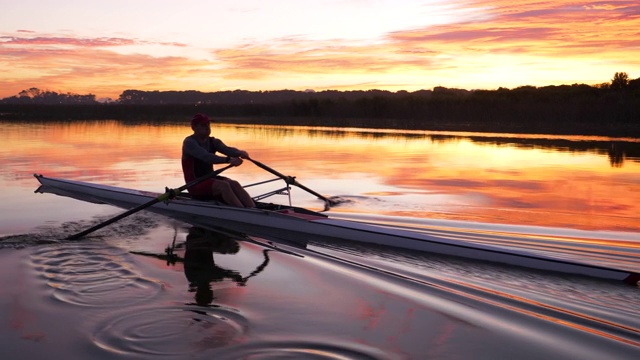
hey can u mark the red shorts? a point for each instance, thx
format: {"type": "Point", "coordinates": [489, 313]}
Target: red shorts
{"type": "Point", "coordinates": [203, 189]}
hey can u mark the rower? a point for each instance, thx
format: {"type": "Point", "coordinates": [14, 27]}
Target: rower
{"type": "Point", "coordinates": [199, 154]}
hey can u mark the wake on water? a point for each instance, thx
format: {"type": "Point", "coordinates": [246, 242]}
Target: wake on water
{"type": "Point", "coordinates": [338, 200]}
{"type": "Point", "coordinates": [132, 226]}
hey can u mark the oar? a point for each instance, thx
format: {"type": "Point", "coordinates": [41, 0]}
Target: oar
{"type": "Point", "coordinates": [292, 181]}
{"type": "Point", "coordinates": [169, 194]}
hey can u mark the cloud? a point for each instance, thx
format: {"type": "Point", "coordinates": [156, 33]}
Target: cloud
{"type": "Point", "coordinates": [553, 30]}
{"type": "Point", "coordinates": [492, 42]}
{"type": "Point", "coordinates": [561, 28]}
{"type": "Point", "coordinates": [313, 57]}
{"type": "Point", "coordinates": [489, 34]}
{"type": "Point", "coordinates": [89, 65]}
{"type": "Point", "coordinates": [90, 70]}
{"type": "Point", "coordinates": [80, 42]}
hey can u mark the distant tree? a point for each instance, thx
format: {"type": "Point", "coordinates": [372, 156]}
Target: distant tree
{"type": "Point", "coordinates": [620, 81]}
{"type": "Point", "coordinates": [30, 93]}
{"type": "Point", "coordinates": [634, 84]}
{"type": "Point", "coordinates": [37, 96]}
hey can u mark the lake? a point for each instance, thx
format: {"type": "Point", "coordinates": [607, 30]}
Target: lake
{"type": "Point", "coordinates": [575, 197]}
{"type": "Point", "coordinates": [539, 180]}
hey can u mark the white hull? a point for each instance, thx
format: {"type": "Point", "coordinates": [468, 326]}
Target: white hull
{"type": "Point", "coordinates": [300, 225]}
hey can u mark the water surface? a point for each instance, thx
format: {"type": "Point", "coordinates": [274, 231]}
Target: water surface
{"type": "Point", "coordinates": [569, 182]}
{"type": "Point", "coordinates": [117, 294]}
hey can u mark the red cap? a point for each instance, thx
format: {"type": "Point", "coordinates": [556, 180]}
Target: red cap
{"type": "Point", "coordinates": [199, 119]}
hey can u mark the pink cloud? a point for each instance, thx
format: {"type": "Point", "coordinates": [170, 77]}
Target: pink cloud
{"type": "Point", "coordinates": [90, 70]}
{"type": "Point", "coordinates": [80, 42]}
{"type": "Point", "coordinates": [540, 28]}
{"type": "Point", "coordinates": [562, 31]}
{"type": "Point", "coordinates": [559, 28]}
{"type": "Point", "coordinates": [493, 34]}
{"type": "Point", "coordinates": [310, 57]}
{"type": "Point", "coordinates": [86, 42]}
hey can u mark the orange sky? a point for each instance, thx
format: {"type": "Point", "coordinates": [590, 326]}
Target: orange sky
{"type": "Point", "coordinates": [409, 45]}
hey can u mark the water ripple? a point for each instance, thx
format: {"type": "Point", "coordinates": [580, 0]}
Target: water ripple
{"type": "Point", "coordinates": [303, 349]}
{"type": "Point", "coordinates": [171, 330]}
{"type": "Point", "coordinates": [92, 275]}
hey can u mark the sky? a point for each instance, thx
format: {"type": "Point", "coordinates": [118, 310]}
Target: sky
{"type": "Point", "coordinates": [104, 48]}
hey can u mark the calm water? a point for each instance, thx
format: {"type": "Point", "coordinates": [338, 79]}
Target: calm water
{"type": "Point", "coordinates": [570, 197]}
{"type": "Point", "coordinates": [569, 182]}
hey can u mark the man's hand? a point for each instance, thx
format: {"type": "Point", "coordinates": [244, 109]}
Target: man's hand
{"type": "Point", "coordinates": [235, 161]}
{"type": "Point", "coordinates": [244, 154]}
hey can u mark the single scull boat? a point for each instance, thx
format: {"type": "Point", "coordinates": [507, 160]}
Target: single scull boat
{"type": "Point", "coordinates": [295, 224]}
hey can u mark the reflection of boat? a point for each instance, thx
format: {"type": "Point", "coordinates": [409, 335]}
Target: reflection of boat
{"type": "Point", "coordinates": [292, 223]}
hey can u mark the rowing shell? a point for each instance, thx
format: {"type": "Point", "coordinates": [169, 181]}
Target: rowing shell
{"type": "Point", "coordinates": [301, 225]}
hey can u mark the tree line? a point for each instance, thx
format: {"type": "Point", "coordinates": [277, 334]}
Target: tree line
{"type": "Point", "coordinates": [611, 108]}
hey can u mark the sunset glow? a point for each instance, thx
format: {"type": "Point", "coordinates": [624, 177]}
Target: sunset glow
{"type": "Point", "coordinates": [470, 179]}
{"type": "Point", "coordinates": [80, 47]}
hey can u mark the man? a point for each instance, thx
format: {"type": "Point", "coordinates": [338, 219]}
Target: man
{"type": "Point", "coordinates": [198, 156]}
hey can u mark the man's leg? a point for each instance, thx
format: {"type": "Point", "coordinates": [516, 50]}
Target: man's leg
{"type": "Point", "coordinates": [241, 194]}
{"type": "Point", "coordinates": [224, 190]}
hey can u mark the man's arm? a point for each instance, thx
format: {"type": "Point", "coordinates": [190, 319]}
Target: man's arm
{"type": "Point", "coordinates": [228, 150]}
{"type": "Point", "coordinates": [191, 147]}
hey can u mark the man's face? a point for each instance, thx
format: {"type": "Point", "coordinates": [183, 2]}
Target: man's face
{"type": "Point", "coordinates": [202, 129]}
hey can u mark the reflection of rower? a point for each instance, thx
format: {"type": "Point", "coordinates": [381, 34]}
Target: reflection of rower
{"type": "Point", "coordinates": [200, 268]}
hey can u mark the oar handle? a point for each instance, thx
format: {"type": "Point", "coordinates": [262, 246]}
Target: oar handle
{"type": "Point", "coordinates": [200, 179]}
{"type": "Point", "coordinates": [169, 194]}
